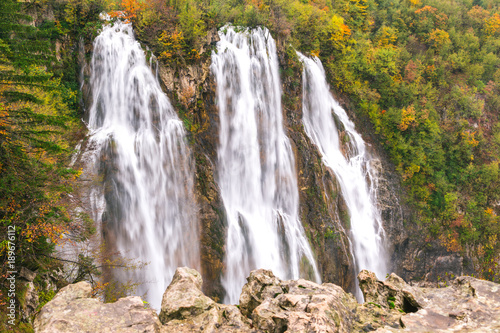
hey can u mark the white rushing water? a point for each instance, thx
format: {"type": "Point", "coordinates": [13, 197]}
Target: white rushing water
{"type": "Point", "coordinates": [149, 177]}
{"type": "Point", "coordinates": [256, 168]}
{"type": "Point", "coordinates": [352, 167]}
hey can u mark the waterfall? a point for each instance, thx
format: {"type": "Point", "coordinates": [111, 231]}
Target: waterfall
{"type": "Point", "coordinates": [357, 180]}
{"type": "Point", "coordinates": [256, 167]}
{"type": "Point", "coordinates": [143, 158]}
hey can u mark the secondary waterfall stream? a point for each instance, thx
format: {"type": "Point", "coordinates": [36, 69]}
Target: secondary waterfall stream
{"type": "Point", "coordinates": [145, 164]}
{"type": "Point", "coordinates": [256, 167]}
{"type": "Point", "coordinates": [323, 119]}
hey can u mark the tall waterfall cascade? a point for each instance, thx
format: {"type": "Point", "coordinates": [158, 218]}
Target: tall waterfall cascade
{"type": "Point", "coordinates": [256, 167]}
{"type": "Point", "coordinates": [147, 170]}
{"type": "Point", "coordinates": [351, 167]}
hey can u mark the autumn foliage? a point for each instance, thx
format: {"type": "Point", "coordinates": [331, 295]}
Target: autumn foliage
{"type": "Point", "coordinates": [131, 9]}
{"type": "Point", "coordinates": [35, 139]}
{"type": "Point", "coordinates": [426, 74]}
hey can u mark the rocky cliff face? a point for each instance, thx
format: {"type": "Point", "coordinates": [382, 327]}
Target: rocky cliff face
{"type": "Point", "coordinates": [268, 304]}
{"type": "Point", "coordinates": [191, 89]}
{"type": "Point", "coordinates": [415, 255]}
{"type": "Point", "coordinates": [322, 209]}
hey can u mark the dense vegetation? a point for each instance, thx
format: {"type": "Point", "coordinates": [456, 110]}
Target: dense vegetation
{"type": "Point", "coordinates": [425, 73]}
{"type": "Point", "coordinates": [39, 113]}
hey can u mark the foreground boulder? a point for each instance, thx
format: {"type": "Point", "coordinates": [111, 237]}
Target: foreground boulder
{"type": "Point", "coordinates": [72, 310]}
{"type": "Point", "coordinates": [467, 305]}
{"type": "Point", "coordinates": [268, 304]}
{"type": "Point", "coordinates": [184, 308]}
{"type": "Point", "coordinates": [393, 293]}
{"type": "Point", "coordinates": [295, 306]}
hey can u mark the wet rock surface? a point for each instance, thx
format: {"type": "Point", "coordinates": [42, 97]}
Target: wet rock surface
{"type": "Point", "coordinates": [268, 304]}
{"type": "Point", "coordinates": [192, 92]}
{"type": "Point", "coordinates": [427, 263]}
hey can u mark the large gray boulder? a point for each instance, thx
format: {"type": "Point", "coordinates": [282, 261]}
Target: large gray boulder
{"type": "Point", "coordinates": [393, 293]}
{"type": "Point", "coordinates": [296, 305]}
{"type": "Point", "coordinates": [467, 305]}
{"type": "Point", "coordinates": [73, 310]}
{"type": "Point", "coordinates": [185, 308]}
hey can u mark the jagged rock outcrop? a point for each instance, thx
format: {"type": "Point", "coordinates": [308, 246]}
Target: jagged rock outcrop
{"type": "Point", "coordinates": [268, 304]}
{"type": "Point", "coordinates": [394, 292]}
{"type": "Point", "coordinates": [73, 310]}
{"type": "Point", "coordinates": [185, 308]}
{"type": "Point", "coordinates": [467, 305]}
{"type": "Point", "coordinates": [29, 293]}
{"type": "Point", "coordinates": [34, 287]}
{"type": "Point", "coordinates": [295, 305]}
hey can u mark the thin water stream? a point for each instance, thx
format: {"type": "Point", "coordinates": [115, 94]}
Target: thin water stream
{"type": "Point", "coordinates": [325, 121]}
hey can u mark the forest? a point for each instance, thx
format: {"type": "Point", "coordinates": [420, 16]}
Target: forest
{"type": "Point", "coordinates": [423, 74]}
